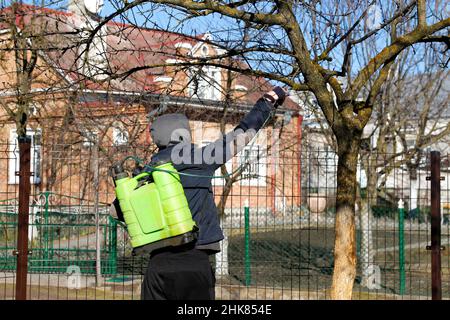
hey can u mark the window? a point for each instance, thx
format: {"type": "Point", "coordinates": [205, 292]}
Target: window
{"type": "Point", "coordinates": [120, 136]}
{"type": "Point", "coordinates": [254, 173]}
{"type": "Point", "coordinates": [205, 83]}
{"type": "Point", "coordinates": [35, 159]}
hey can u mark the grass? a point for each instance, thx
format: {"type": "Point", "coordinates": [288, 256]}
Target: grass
{"type": "Point", "coordinates": [7, 292]}
{"type": "Point", "coordinates": [106, 293]}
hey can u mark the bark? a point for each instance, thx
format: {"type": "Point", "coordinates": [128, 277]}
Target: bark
{"type": "Point", "coordinates": [345, 242]}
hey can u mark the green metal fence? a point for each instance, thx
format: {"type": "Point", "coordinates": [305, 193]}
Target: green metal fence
{"type": "Point", "coordinates": [279, 252]}
{"type": "Point", "coordinates": [60, 235]}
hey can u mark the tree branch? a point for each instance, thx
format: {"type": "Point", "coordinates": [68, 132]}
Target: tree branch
{"type": "Point", "coordinates": [346, 35]}
{"type": "Point", "coordinates": [385, 70]}
{"type": "Point", "coordinates": [422, 13]}
{"type": "Point", "coordinates": [399, 14]}
{"type": "Point", "coordinates": [381, 79]}
{"type": "Point", "coordinates": [445, 39]}
{"type": "Point", "coordinates": [391, 52]}
{"type": "Point", "coordinates": [310, 70]}
{"type": "Point", "coordinates": [250, 72]}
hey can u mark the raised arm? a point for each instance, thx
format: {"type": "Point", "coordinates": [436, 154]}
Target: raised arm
{"type": "Point", "coordinates": [233, 142]}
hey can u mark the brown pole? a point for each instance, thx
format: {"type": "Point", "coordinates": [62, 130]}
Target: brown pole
{"type": "Point", "coordinates": [436, 291]}
{"type": "Point", "coordinates": [24, 198]}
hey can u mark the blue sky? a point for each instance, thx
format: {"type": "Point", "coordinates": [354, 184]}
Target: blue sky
{"type": "Point", "coordinates": [158, 18]}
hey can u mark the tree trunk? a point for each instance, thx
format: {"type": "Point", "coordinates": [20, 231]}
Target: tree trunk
{"type": "Point", "coordinates": [345, 245]}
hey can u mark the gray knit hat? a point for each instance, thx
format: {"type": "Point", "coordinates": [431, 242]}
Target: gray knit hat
{"type": "Point", "coordinates": [170, 129]}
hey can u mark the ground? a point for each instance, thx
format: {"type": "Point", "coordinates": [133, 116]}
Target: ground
{"type": "Point", "coordinates": [302, 260]}
{"type": "Point", "coordinates": [284, 264]}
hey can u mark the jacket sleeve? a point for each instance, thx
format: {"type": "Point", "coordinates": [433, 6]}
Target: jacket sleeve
{"type": "Point", "coordinates": [226, 147]}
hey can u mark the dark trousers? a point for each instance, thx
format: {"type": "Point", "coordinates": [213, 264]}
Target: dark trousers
{"type": "Point", "coordinates": [179, 274]}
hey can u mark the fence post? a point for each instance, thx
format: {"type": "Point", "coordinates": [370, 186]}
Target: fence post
{"type": "Point", "coordinates": [23, 216]}
{"type": "Point", "coordinates": [436, 281]}
{"type": "Point", "coordinates": [401, 245]}
{"type": "Point", "coordinates": [248, 276]}
{"type": "Point", "coordinates": [113, 245]}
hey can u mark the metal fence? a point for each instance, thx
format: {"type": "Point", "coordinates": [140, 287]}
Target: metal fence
{"type": "Point", "coordinates": [278, 222]}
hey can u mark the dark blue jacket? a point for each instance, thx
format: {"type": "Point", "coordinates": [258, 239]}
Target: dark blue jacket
{"type": "Point", "coordinates": [199, 189]}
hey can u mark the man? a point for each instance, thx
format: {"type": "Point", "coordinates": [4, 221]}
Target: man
{"type": "Point", "coordinates": [184, 272]}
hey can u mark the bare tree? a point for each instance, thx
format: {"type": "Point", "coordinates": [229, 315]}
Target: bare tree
{"type": "Point", "coordinates": [46, 65]}
{"type": "Point", "coordinates": [408, 118]}
{"type": "Point", "coordinates": [307, 45]}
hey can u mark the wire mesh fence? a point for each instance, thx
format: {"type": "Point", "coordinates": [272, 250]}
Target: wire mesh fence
{"type": "Point", "coordinates": [278, 221]}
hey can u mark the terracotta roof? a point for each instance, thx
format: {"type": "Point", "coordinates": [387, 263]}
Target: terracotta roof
{"type": "Point", "coordinates": [128, 47]}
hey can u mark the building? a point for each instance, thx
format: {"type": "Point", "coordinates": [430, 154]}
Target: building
{"type": "Point", "coordinates": [82, 119]}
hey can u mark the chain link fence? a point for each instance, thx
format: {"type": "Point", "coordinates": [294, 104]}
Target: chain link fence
{"type": "Point", "coordinates": [278, 222]}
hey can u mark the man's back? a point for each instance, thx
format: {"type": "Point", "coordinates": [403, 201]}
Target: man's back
{"type": "Point", "coordinates": [196, 181]}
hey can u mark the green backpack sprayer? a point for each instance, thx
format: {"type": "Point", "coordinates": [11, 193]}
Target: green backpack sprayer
{"type": "Point", "coordinates": [155, 208]}
{"type": "Point", "coordinates": [154, 205]}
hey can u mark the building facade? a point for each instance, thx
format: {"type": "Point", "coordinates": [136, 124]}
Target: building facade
{"type": "Point", "coordinates": [91, 96]}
